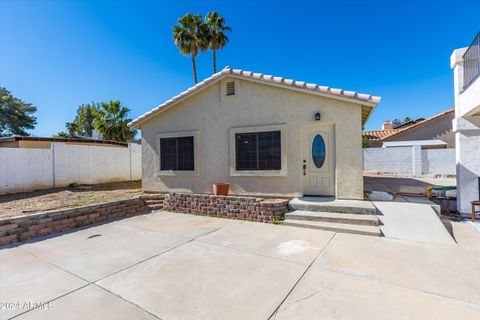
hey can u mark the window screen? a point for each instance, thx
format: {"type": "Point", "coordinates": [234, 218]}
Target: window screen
{"type": "Point", "coordinates": [177, 154]}
{"type": "Point", "coordinates": [258, 151]}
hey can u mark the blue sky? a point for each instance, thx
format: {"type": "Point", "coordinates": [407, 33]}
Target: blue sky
{"type": "Point", "coordinates": [60, 54]}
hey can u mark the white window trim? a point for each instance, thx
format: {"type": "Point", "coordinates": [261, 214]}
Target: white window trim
{"type": "Point", "coordinates": [259, 173]}
{"type": "Point", "coordinates": [196, 152]}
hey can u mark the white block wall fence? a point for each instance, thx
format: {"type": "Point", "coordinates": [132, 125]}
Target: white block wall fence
{"type": "Point", "coordinates": [410, 161]}
{"type": "Point", "coordinates": [24, 169]}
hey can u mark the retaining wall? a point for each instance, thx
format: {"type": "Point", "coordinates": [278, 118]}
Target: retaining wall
{"type": "Point", "coordinates": [26, 227]}
{"type": "Point", "coordinates": [245, 208]}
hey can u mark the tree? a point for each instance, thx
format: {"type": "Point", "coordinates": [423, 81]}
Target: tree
{"type": "Point", "coordinates": [191, 37]}
{"type": "Point", "coordinates": [217, 38]}
{"type": "Point", "coordinates": [82, 125]}
{"type": "Point", "coordinates": [16, 116]}
{"type": "Point", "coordinates": [62, 134]}
{"type": "Point", "coordinates": [111, 122]}
{"type": "Point", "coordinates": [72, 129]}
{"type": "Point", "coordinates": [366, 143]}
{"type": "Point", "coordinates": [84, 119]}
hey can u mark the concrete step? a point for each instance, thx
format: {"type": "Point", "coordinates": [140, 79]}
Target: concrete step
{"type": "Point", "coordinates": [155, 206]}
{"type": "Point", "coordinates": [335, 227]}
{"type": "Point", "coordinates": [159, 201]}
{"type": "Point", "coordinates": [153, 197]}
{"type": "Point", "coordinates": [348, 218]}
{"type": "Point", "coordinates": [327, 204]}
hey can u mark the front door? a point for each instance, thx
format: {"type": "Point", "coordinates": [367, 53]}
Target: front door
{"type": "Point", "coordinates": [318, 162]}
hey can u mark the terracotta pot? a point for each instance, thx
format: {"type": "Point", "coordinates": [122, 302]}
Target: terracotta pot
{"type": "Point", "coordinates": [221, 189]}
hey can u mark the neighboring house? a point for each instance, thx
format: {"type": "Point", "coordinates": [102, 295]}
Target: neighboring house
{"type": "Point", "coordinates": [438, 127]}
{"type": "Point", "coordinates": [264, 135]}
{"type": "Point", "coordinates": [465, 63]}
{"type": "Point", "coordinates": [46, 142]}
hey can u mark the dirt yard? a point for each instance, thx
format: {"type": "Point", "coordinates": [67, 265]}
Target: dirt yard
{"type": "Point", "coordinates": [70, 197]}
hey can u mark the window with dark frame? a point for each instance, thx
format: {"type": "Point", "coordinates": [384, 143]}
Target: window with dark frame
{"type": "Point", "coordinates": [177, 154]}
{"type": "Point", "coordinates": [258, 151]}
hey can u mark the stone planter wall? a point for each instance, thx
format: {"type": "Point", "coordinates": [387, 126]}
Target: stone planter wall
{"type": "Point", "coordinates": [41, 224]}
{"type": "Point", "coordinates": [245, 208]}
{"type": "Point", "coordinates": [26, 227]}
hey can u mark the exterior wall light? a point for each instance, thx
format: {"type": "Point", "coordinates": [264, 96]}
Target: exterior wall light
{"type": "Point", "coordinates": [317, 116]}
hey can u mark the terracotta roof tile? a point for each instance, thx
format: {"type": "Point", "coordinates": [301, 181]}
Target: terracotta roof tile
{"type": "Point", "coordinates": [378, 135]}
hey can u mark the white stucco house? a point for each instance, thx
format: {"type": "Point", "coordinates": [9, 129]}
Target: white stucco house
{"type": "Point", "coordinates": [465, 63]}
{"type": "Point", "coordinates": [264, 135]}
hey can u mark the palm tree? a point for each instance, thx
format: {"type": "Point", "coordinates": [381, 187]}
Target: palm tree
{"type": "Point", "coordinates": [190, 36]}
{"type": "Point", "coordinates": [72, 128]}
{"type": "Point", "coordinates": [216, 34]}
{"type": "Point", "coordinates": [61, 134]}
{"type": "Point", "coordinates": [111, 122]}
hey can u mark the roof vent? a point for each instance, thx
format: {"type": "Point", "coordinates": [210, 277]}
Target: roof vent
{"type": "Point", "coordinates": [230, 88]}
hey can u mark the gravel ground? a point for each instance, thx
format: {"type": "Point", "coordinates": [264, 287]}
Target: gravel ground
{"type": "Point", "coordinates": [76, 196]}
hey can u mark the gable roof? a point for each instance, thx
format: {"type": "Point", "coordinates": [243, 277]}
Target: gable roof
{"type": "Point", "coordinates": [381, 135]}
{"type": "Point", "coordinates": [367, 101]}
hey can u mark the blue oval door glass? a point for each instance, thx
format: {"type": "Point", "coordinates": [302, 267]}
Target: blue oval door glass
{"type": "Point", "coordinates": [318, 151]}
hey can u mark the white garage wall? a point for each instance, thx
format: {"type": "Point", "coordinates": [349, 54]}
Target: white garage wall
{"type": "Point", "coordinates": [410, 161]}
{"type": "Point", "coordinates": [33, 169]}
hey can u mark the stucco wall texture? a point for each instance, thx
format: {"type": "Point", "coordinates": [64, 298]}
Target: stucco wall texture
{"type": "Point", "coordinates": [256, 105]}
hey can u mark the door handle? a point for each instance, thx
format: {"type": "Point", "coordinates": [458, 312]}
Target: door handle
{"type": "Point", "coordinates": [304, 169]}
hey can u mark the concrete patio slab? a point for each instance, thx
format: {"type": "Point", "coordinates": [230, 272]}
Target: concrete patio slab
{"type": "Point", "coordinates": [26, 280]}
{"type": "Point", "coordinates": [96, 252]}
{"type": "Point", "coordinates": [276, 241]}
{"type": "Point", "coordinates": [206, 281]}
{"type": "Point", "coordinates": [412, 221]}
{"type": "Point", "coordinates": [448, 271]}
{"type": "Point", "coordinates": [323, 294]}
{"type": "Point", "coordinates": [177, 224]}
{"type": "Point", "coordinates": [226, 269]}
{"type": "Point", "coordinates": [91, 302]}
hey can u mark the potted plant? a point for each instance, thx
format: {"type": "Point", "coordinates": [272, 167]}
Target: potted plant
{"type": "Point", "coordinates": [221, 189]}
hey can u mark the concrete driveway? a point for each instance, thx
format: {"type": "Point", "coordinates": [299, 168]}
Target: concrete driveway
{"type": "Point", "coordinates": [175, 266]}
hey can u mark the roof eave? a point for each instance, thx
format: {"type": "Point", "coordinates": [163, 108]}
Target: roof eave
{"type": "Point", "coordinates": [331, 93]}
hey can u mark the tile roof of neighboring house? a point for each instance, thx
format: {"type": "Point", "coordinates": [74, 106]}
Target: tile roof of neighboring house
{"type": "Point", "coordinates": [366, 100]}
{"type": "Point", "coordinates": [380, 135]}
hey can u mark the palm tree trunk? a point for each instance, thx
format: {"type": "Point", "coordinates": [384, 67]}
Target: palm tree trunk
{"type": "Point", "coordinates": [194, 67]}
{"type": "Point", "coordinates": [214, 60]}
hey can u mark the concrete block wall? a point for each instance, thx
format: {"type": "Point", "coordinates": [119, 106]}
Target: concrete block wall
{"type": "Point", "coordinates": [410, 161]}
{"type": "Point", "coordinates": [23, 169]}
{"type": "Point", "coordinates": [438, 161]}
{"type": "Point", "coordinates": [388, 160]}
